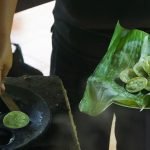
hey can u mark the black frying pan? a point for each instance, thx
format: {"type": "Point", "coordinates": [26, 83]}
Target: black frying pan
{"type": "Point", "coordinates": [39, 114]}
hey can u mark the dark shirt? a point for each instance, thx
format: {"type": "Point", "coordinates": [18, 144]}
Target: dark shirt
{"type": "Point", "coordinates": [85, 27]}
{"type": "Point", "coordinates": [104, 14]}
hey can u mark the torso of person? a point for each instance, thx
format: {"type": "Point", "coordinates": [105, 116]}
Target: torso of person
{"type": "Point", "coordinates": [86, 26]}
{"type": "Point", "coordinates": [104, 14]}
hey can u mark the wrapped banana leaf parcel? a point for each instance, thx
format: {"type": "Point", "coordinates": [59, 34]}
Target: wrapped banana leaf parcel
{"type": "Point", "coordinates": [123, 75]}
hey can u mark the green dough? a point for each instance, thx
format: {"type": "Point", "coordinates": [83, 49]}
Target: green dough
{"type": "Point", "coordinates": [16, 119]}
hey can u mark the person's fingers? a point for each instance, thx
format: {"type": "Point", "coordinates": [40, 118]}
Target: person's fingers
{"type": "Point", "coordinates": [2, 88]}
{"type": "Point", "coordinates": [1, 83]}
{"type": "Point", "coordinates": [0, 74]}
{"type": "Point", "coordinates": [3, 74]}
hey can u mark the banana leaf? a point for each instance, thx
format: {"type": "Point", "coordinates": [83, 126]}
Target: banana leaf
{"type": "Point", "coordinates": [127, 48]}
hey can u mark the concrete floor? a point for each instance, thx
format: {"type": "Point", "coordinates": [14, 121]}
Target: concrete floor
{"type": "Point", "coordinates": [31, 30]}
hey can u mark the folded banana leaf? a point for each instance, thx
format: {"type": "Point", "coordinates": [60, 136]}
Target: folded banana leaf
{"type": "Point", "coordinates": [122, 76]}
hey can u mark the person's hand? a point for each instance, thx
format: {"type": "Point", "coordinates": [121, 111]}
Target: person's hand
{"type": "Point", "coordinates": [5, 61]}
{"type": "Point", "coordinates": [7, 11]}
